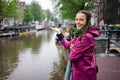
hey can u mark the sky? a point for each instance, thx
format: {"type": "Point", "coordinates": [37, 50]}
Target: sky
{"type": "Point", "coordinates": [45, 4]}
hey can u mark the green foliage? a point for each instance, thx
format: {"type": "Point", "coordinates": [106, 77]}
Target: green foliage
{"type": "Point", "coordinates": [48, 14]}
{"type": "Point", "coordinates": [33, 12]}
{"type": "Point", "coordinates": [28, 15]}
{"type": "Point", "coordinates": [54, 19]}
{"type": "Point", "coordinates": [69, 8]}
{"type": "Point", "coordinates": [8, 8]}
{"type": "Point", "coordinates": [36, 11]}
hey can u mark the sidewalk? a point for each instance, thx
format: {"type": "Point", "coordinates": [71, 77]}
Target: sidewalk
{"type": "Point", "coordinates": [108, 64]}
{"type": "Point", "coordinates": [108, 68]}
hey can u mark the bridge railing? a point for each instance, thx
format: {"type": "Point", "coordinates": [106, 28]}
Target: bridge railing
{"type": "Point", "coordinates": [109, 31]}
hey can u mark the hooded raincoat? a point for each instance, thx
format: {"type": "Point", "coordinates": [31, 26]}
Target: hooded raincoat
{"type": "Point", "coordinates": [82, 55]}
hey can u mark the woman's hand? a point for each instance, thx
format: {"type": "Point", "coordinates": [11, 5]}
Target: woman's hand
{"type": "Point", "coordinates": [71, 46]}
{"type": "Point", "coordinates": [55, 29]}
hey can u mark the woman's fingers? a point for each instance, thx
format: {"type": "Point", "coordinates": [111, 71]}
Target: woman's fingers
{"type": "Point", "coordinates": [55, 29]}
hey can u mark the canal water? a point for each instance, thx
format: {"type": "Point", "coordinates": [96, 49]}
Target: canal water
{"type": "Point", "coordinates": [32, 57]}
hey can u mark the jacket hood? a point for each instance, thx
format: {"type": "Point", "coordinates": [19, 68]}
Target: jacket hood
{"type": "Point", "coordinates": [94, 30]}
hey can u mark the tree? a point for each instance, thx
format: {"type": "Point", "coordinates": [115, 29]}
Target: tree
{"type": "Point", "coordinates": [28, 15]}
{"type": "Point", "coordinates": [36, 11]}
{"type": "Point", "coordinates": [8, 8]}
{"type": "Point", "coordinates": [48, 14]}
{"type": "Point", "coordinates": [69, 8]}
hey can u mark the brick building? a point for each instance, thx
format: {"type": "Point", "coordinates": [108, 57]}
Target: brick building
{"type": "Point", "coordinates": [109, 11]}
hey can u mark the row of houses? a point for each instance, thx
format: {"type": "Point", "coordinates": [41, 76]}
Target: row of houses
{"type": "Point", "coordinates": [107, 10]}
{"type": "Point", "coordinates": [12, 21]}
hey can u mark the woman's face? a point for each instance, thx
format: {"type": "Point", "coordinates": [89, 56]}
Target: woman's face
{"type": "Point", "coordinates": [80, 20]}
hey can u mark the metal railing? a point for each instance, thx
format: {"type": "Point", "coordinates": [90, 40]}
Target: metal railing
{"type": "Point", "coordinates": [108, 32]}
{"type": "Point", "coordinates": [68, 71]}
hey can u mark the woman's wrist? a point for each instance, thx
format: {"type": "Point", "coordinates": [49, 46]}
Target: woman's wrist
{"type": "Point", "coordinates": [59, 32]}
{"type": "Point", "coordinates": [60, 36]}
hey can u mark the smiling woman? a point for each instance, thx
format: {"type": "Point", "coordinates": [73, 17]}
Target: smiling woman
{"type": "Point", "coordinates": [45, 4]}
{"type": "Point", "coordinates": [81, 47]}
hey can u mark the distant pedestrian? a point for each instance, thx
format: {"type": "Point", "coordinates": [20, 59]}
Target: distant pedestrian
{"type": "Point", "coordinates": [102, 27]}
{"type": "Point", "coordinates": [101, 24]}
{"type": "Point", "coordinates": [81, 47]}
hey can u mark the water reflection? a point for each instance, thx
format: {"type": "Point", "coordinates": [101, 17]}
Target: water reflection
{"type": "Point", "coordinates": [59, 67]}
{"type": "Point", "coordinates": [31, 57]}
{"type": "Point", "coordinates": [8, 49]}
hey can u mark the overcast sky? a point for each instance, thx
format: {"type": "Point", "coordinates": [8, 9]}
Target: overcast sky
{"type": "Point", "coordinates": [45, 4]}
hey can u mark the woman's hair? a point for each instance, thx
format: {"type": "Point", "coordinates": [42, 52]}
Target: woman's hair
{"type": "Point", "coordinates": [87, 13]}
{"type": "Point", "coordinates": [88, 22]}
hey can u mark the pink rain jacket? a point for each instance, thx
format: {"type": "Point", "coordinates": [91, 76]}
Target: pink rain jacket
{"type": "Point", "coordinates": [82, 55]}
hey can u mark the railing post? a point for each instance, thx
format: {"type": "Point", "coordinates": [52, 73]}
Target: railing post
{"type": "Point", "coordinates": [108, 40]}
{"type": "Point", "coordinates": [68, 71]}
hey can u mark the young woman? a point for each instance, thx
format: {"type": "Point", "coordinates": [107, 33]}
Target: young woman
{"type": "Point", "coordinates": [81, 47]}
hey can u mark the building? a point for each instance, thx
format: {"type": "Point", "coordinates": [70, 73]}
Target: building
{"type": "Point", "coordinates": [108, 10]}
{"type": "Point", "coordinates": [19, 21]}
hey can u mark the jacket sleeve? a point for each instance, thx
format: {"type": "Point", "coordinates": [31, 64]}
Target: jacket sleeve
{"type": "Point", "coordinates": [65, 43]}
{"type": "Point", "coordinates": [80, 48]}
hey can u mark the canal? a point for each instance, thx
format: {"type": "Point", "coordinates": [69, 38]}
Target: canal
{"type": "Point", "coordinates": [32, 57]}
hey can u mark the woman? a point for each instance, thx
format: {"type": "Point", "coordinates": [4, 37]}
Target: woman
{"type": "Point", "coordinates": [81, 47]}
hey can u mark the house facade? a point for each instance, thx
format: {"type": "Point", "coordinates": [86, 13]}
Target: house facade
{"type": "Point", "coordinates": [108, 10]}
{"type": "Point", "coordinates": [18, 21]}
